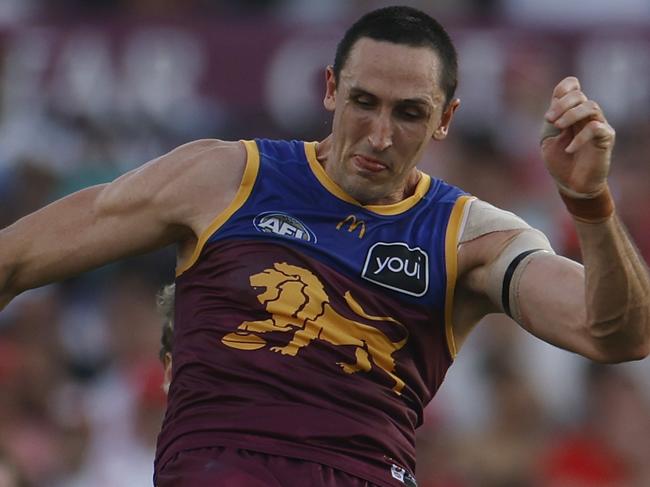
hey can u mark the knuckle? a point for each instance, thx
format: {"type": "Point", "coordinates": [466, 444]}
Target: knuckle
{"type": "Point", "coordinates": [594, 106]}
{"type": "Point", "coordinates": [597, 127]}
{"type": "Point", "coordinates": [573, 83]}
{"type": "Point", "coordinates": [569, 81]}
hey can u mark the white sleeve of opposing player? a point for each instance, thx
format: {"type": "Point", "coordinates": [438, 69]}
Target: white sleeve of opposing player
{"type": "Point", "coordinates": [505, 270]}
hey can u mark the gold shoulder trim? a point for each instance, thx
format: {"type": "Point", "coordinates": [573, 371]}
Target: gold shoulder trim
{"type": "Point", "coordinates": [244, 191]}
{"type": "Point", "coordinates": [452, 236]}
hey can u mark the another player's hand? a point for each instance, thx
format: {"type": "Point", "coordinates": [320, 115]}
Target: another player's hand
{"type": "Point", "coordinates": [577, 141]}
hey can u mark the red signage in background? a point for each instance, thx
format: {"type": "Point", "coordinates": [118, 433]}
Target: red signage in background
{"type": "Point", "coordinates": [166, 70]}
{"type": "Point", "coordinates": [265, 78]}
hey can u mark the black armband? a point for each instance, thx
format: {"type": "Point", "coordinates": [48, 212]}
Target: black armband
{"type": "Point", "coordinates": [507, 279]}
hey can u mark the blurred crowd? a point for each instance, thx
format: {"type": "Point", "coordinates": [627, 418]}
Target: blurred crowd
{"type": "Point", "coordinates": [85, 96]}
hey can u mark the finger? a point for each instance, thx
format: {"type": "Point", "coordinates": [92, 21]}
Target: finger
{"type": "Point", "coordinates": [570, 83]}
{"type": "Point", "coordinates": [601, 134]}
{"type": "Point", "coordinates": [584, 111]}
{"type": "Point", "coordinates": [566, 102]}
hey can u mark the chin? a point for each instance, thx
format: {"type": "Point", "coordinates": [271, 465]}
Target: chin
{"type": "Point", "coordinates": [364, 195]}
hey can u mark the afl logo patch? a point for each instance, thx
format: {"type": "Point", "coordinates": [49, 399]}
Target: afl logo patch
{"type": "Point", "coordinates": [398, 267]}
{"type": "Point", "coordinates": [283, 225]}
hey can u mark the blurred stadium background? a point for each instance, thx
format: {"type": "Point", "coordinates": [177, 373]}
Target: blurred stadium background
{"type": "Point", "coordinates": [92, 88]}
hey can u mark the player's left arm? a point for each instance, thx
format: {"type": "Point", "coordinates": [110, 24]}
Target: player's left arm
{"type": "Point", "coordinates": [601, 310]}
{"type": "Point", "coordinates": [613, 308]}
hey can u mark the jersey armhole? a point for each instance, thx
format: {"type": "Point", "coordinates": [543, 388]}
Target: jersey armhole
{"type": "Point", "coordinates": [455, 226]}
{"type": "Point", "coordinates": [243, 192]}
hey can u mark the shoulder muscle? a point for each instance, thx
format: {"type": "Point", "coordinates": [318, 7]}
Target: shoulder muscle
{"type": "Point", "coordinates": [192, 179]}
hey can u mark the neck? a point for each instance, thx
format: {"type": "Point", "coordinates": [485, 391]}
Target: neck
{"type": "Point", "coordinates": [324, 152]}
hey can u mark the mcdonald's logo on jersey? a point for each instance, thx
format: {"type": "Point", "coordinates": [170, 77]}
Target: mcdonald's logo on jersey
{"type": "Point", "coordinates": [353, 224]}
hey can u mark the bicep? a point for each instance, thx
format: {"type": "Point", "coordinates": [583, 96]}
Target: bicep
{"type": "Point", "coordinates": [493, 244]}
{"type": "Point", "coordinates": [507, 266]}
{"type": "Point", "coordinates": [551, 295]}
{"type": "Point", "coordinates": [160, 203]}
{"type": "Point", "coordinates": [543, 292]}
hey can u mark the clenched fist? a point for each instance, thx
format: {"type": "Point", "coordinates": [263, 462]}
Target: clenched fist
{"type": "Point", "coordinates": [577, 141]}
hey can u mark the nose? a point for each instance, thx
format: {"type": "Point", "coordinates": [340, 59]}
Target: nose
{"type": "Point", "coordinates": [381, 132]}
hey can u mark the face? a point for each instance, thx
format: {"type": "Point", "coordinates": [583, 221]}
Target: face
{"type": "Point", "coordinates": [387, 107]}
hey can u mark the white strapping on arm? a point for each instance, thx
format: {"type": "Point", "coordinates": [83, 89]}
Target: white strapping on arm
{"type": "Point", "coordinates": [505, 271]}
{"type": "Point", "coordinates": [484, 218]}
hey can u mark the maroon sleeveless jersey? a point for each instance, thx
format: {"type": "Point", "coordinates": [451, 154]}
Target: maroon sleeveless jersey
{"type": "Point", "coordinates": [310, 326]}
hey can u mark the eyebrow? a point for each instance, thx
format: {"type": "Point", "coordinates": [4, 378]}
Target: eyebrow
{"type": "Point", "coordinates": [405, 101]}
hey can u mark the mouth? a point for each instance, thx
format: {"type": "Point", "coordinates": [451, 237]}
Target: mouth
{"type": "Point", "coordinates": [370, 164]}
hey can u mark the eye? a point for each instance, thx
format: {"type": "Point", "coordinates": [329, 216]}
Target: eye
{"type": "Point", "coordinates": [363, 101]}
{"type": "Point", "coordinates": [410, 113]}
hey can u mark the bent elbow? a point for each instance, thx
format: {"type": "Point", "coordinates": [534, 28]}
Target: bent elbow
{"type": "Point", "coordinates": [641, 352]}
{"type": "Point", "coordinates": [618, 358]}
{"type": "Point", "coordinates": [622, 339]}
{"type": "Point", "coordinates": [618, 353]}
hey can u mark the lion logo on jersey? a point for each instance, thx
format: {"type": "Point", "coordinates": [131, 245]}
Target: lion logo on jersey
{"type": "Point", "coordinates": [298, 304]}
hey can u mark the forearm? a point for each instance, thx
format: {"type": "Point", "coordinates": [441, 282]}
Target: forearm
{"type": "Point", "coordinates": [80, 232]}
{"type": "Point", "coordinates": [9, 257]}
{"type": "Point", "coordinates": [617, 294]}
{"type": "Point", "coordinates": [49, 244]}
{"type": "Point", "coordinates": [604, 309]}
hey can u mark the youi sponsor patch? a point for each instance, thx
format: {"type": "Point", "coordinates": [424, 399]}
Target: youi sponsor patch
{"type": "Point", "coordinates": [397, 266]}
{"type": "Point", "coordinates": [284, 225]}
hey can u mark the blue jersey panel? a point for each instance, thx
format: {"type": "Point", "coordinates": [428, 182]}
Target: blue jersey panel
{"type": "Point", "coordinates": [402, 254]}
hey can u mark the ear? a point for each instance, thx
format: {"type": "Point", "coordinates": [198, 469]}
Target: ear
{"type": "Point", "coordinates": [167, 364]}
{"type": "Point", "coordinates": [443, 129]}
{"type": "Point", "coordinates": [330, 89]}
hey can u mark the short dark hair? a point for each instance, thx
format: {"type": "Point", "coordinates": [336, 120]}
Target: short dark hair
{"type": "Point", "coordinates": [408, 26]}
{"type": "Point", "coordinates": [165, 306]}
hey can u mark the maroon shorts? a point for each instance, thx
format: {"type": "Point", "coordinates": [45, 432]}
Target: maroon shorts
{"type": "Point", "coordinates": [232, 467]}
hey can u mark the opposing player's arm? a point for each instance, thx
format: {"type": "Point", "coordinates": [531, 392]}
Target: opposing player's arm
{"type": "Point", "coordinates": [167, 200]}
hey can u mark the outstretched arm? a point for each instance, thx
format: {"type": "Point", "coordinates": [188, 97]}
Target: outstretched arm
{"type": "Point", "coordinates": [76, 233]}
{"type": "Point", "coordinates": [601, 310]}
{"type": "Point", "coordinates": [167, 200]}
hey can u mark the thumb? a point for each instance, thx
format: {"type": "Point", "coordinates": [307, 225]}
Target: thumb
{"type": "Point", "coordinates": [548, 130]}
